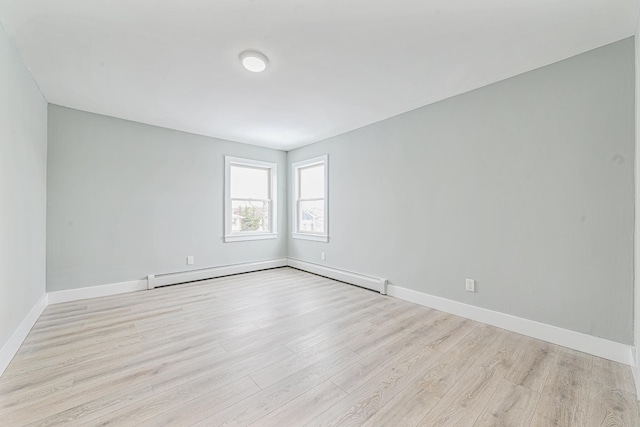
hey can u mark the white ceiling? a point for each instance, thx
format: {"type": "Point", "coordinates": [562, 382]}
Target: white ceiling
{"type": "Point", "coordinates": [336, 65]}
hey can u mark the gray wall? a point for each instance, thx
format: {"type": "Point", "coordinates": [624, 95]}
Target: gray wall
{"type": "Point", "coordinates": [126, 200]}
{"type": "Point", "coordinates": [525, 185]}
{"type": "Point", "coordinates": [23, 171]}
{"type": "Point", "coordinates": [636, 306]}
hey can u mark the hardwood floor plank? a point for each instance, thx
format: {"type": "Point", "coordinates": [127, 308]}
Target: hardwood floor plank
{"type": "Point", "coordinates": [612, 407]}
{"type": "Point", "coordinates": [331, 335]}
{"type": "Point", "coordinates": [613, 375]}
{"type": "Point", "coordinates": [224, 368]}
{"type": "Point", "coordinates": [281, 369]}
{"type": "Point", "coordinates": [22, 398]}
{"type": "Point", "coordinates": [445, 338]}
{"type": "Point", "coordinates": [511, 405]}
{"type": "Point", "coordinates": [535, 361]}
{"type": "Point", "coordinates": [451, 367]}
{"type": "Point", "coordinates": [364, 402]}
{"type": "Point", "coordinates": [406, 409]}
{"type": "Point", "coordinates": [84, 413]}
{"type": "Point", "coordinates": [315, 401]}
{"type": "Point", "coordinates": [271, 398]}
{"type": "Point", "coordinates": [566, 396]}
{"type": "Point", "coordinates": [181, 406]}
{"type": "Point", "coordinates": [388, 332]}
{"type": "Point", "coordinates": [385, 356]}
{"type": "Point", "coordinates": [463, 405]}
{"type": "Point", "coordinates": [81, 402]}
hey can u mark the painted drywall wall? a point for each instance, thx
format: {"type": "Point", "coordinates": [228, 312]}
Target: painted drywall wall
{"type": "Point", "coordinates": [126, 200]}
{"type": "Point", "coordinates": [23, 166]}
{"type": "Point", "coordinates": [636, 306]}
{"type": "Point", "coordinates": [525, 185]}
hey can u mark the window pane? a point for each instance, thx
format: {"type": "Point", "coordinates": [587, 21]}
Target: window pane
{"type": "Point", "coordinates": [249, 216]}
{"type": "Point", "coordinates": [249, 183]}
{"type": "Point", "coordinates": [311, 218]}
{"type": "Point", "coordinates": [312, 182]}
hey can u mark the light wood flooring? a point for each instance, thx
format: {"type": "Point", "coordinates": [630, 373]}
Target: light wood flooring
{"type": "Point", "coordinates": [286, 348]}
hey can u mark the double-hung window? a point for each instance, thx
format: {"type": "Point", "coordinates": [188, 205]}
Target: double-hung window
{"type": "Point", "coordinates": [310, 204]}
{"type": "Point", "coordinates": [250, 199]}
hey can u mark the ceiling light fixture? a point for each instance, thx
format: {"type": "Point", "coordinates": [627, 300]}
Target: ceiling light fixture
{"type": "Point", "coordinates": [254, 61]}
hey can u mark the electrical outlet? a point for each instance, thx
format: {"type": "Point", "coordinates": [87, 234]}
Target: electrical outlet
{"type": "Point", "coordinates": [470, 285]}
{"type": "Point", "coordinates": [190, 260]}
{"type": "Point", "coordinates": [323, 256]}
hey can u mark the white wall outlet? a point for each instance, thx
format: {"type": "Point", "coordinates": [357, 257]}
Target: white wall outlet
{"type": "Point", "coordinates": [323, 256]}
{"type": "Point", "coordinates": [470, 285]}
{"type": "Point", "coordinates": [190, 260]}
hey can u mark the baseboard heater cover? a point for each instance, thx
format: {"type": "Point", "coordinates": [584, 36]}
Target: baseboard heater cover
{"type": "Point", "coordinates": [158, 280]}
{"type": "Point", "coordinates": [369, 282]}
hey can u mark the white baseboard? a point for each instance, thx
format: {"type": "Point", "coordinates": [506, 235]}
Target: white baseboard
{"type": "Point", "coordinates": [57, 297]}
{"type": "Point", "coordinates": [154, 281]}
{"type": "Point", "coordinates": [600, 347]}
{"type": "Point", "coordinates": [13, 345]}
{"type": "Point", "coordinates": [369, 282]}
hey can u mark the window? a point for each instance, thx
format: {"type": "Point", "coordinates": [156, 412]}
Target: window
{"type": "Point", "coordinates": [250, 200]}
{"type": "Point", "coordinates": [310, 216]}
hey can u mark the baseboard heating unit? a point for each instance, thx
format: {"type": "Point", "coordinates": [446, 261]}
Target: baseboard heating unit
{"type": "Point", "coordinates": [157, 280]}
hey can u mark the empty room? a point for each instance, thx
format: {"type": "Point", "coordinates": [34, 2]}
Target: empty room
{"type": "Point", "coordinates": [319, 213]}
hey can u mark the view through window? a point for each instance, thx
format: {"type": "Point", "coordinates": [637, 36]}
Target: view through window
{"type": "Point", "coordinates": [311, 198]}
{"type": "Point", "coordinates": [250, 208]}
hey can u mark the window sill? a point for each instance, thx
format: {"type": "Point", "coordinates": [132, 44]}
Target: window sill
{"type": "Point", "coordinates": [314, 237]}
{"type": "Point", "coordinates": [244, 237]}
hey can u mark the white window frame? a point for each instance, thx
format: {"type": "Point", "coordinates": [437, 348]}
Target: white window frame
{"type": "Point", "coordinates": [295, 175]}
{"type": "Point", "coordinates": [229, 235]}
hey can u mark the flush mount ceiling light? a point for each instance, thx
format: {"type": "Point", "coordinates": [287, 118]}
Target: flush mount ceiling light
{"type": "Point", "coordinates": [254, 61]}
